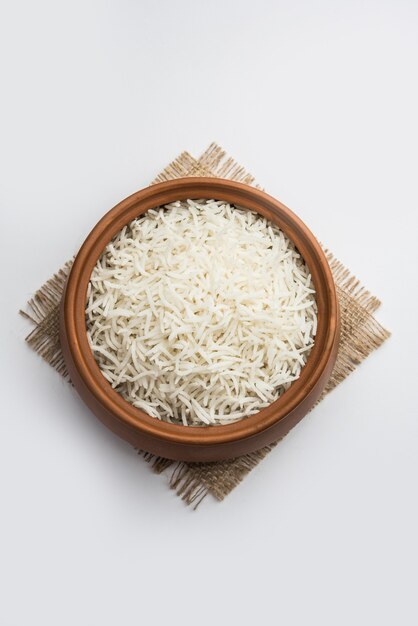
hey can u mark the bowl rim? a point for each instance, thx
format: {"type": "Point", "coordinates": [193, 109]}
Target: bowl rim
{"type": "Point", "coordinates": [74, 323]}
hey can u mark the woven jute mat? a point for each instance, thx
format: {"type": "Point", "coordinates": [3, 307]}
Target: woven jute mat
{"type": "Point", "coordinates": [360, 335]}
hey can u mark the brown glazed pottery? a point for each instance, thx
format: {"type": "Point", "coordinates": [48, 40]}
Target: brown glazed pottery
{"type": "Point", "coordinates": [206, 443]}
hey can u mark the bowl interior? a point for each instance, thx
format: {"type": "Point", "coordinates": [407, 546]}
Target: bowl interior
{"type": "Point", "coordinates": [197, 188]}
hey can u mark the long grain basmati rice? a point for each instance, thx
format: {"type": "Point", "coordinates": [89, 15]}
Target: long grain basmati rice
{"type": "Point", "coordinates": [201, 313]}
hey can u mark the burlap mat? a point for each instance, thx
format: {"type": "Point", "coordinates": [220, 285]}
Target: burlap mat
{"type": "Point", "coordinates": [360, 335]}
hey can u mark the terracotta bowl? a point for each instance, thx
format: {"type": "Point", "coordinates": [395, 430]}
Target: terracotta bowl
{"type": "Point", "coordinates": [206, 443]}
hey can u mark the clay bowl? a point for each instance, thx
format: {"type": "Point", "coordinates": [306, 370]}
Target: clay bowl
{"type": "Point", "coordinates": [206, 443]}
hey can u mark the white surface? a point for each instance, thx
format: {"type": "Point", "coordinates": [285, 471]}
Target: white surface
{"type": "Point", "coordinates": [319, 101]}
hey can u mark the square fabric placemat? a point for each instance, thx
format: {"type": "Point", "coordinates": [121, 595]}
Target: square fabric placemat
{"type": "Point", "coordinates": [360, 335]}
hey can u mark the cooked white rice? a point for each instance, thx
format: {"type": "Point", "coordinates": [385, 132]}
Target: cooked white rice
{"type": "Point", "coordinates": [201, 313]}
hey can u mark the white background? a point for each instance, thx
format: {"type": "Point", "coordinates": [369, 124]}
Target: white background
{"type": "Point", "coordinates": [319, 100]}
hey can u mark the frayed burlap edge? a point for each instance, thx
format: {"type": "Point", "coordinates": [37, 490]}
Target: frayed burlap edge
{"type": "Point", "coordinates": [360, 335]}
{"type": "Point", "coordinates": [43, 311]}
